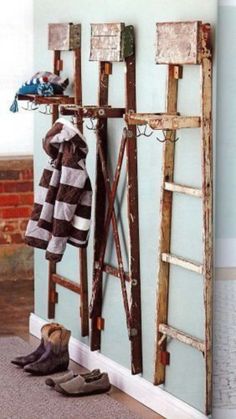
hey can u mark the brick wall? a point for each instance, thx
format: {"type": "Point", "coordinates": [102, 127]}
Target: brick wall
{"type": "Point", "coordinates": [16, 199]}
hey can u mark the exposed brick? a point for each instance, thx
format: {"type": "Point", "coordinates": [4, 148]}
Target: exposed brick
{"type": "Point", "coordinates": [1, 187]}
{"type": "Point", "coordinates": [4, 240]}
{"type": "Point", "coordinates": [9, 199]}
{"type": "Point", "coordinates": [27, 199]}
{"type": "Point", "coordinates": [9, 174]}
{"type": "Point", "coordinates": [20, 212]}
{"type": "Point", "coordinates": [26, 174]}
{"type": "Point", "coordinates": [20, 163]}
{"type": "Point", "coordinates": [23, 225]}
{"type": "Point", "coordinates": [16, 238]}
{"type": "Point", "coordinates": [7, 226]}
{"type": "Point", "coordinates": [18, 186]}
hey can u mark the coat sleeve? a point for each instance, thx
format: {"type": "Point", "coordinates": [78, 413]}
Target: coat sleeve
{"type": "Point", "coordinates": [69, 198]}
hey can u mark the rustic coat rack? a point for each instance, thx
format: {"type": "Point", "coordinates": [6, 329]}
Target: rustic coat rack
{"type": "Point", "coordinates": [114, 43]}
{"type": "Point", "coordinates": [65, 37]}
{"type": "Point", "coordinates": [178, 44]}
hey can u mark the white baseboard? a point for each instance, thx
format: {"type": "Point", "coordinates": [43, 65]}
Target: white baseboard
{"type": "Point", "coordinates": [137, 387]}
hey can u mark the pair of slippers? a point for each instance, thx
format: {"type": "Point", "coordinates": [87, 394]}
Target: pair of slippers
{"type": "Point", "coordinates": [71, 384]}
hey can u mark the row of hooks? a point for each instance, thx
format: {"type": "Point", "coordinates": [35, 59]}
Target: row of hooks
{"type": "Point", "coordinates": [167, 134]}
{"type": "Point", "coordinates": [32, 106]}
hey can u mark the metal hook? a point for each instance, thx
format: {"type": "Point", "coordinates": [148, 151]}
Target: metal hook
{"type": "Point", "coordinates": [34, 106]}
{"type": "Point", "coordinates": [165, 134]}
{"type": "Point", "coordinates": [94, 127]}
{"type": "Point", "coordinates": [77, 120]}
{"type": "Point", "coordinates": [31, 106]}
{"type": "Point", "coordinates": [144, 132]}
{"type": "Point", "coordinates": [47, 110]}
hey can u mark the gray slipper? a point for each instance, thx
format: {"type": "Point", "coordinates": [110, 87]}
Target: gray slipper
{"type": "Point", "coordinates": [89, 376]}
{"type": "Point", "coordinates": [78, 386]}
{"type": "Point", "coordinates": [52, 381]}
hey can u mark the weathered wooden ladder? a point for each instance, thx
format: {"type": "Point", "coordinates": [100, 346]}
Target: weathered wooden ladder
{"type": "Point", "coordinates": [178, 44]}
{"type": "Point", "coordinates": [114, 43]}
{"type": "Point", "coordinates": [68, 37]}
{"type": "Point", "coordinates": [65, 37]}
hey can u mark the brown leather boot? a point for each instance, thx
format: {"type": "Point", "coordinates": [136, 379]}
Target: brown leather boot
{"type": "Point", "coordinates": [56, 355]}
{"type": "Point", "coordinates": [46, 330]}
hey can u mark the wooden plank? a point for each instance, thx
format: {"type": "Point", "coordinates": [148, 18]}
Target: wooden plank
{"type": "Point", "coordinates": [93, 111]}
{"type": "Point", "coordinates": [100, 205]}
{"type": "Point", "coordinates": [106, 29]}
{"type": "Point", "coordinates": [165, 227]}
{"type": "Point", "coordinates": [111, 270]}
{"type": "Point", "coordinates": [182, 337]}
{"type": "Point", "coordinates": [66, 283]}
{"type": "Point", "coordinates": [177, 42]}
{"type": "Point", "coordinates": [106, 42]}
{"type": "Point", "coordinates": [83, 274]}
{"type": "Point", "coordinates": [174, 187]}
{"type": "Point", "coordinates": [207, 187]}
{"type": "Point", "coordinates": [105, 55]}
{"type": "Point", "coordinates": [83, 292]}
{"type": "Point", "coordinates": [47, 100]}
{"type": "Point", "coordinates": [183, 263]}
{"type": "Point", "coordinates": [52, 294]}
{"type": "Point", "coordinates": [77, 77]}
{"type": "Point", "coordinates": [133, 220]}
{"type": "Point", "coordinates": [63, 36]}
{"type": "Point", "coordinates": [164, 121]}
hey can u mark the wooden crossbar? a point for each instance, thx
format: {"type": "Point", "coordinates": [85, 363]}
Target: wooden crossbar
{"type": "Point", "coordinates": [92, 111]}
{"type": "Point", "coordinates": [182, 337]}
{"type": "Point", "coordinates": [105, 214]}
{"type": "Point", "coordinates": [174, 187]}
{"type": "Point", "coordinates": [66, 283]}
{"type": "Point", "coordinates": [173, 52]}
{"type": "Point", "coordinates": [164, 121]}
{"type": "Point", "coordinates": [111, 270]}
{"type": "Point", "coordinates": [53, 278]}
{"type": "Point", "coordinates": [47, 100]}
{"type": "Point", "coordinates": [182, 262]}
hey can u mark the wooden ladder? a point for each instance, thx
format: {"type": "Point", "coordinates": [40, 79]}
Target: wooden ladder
{"type": "Point", "coordinates": [114, 43]}
{"type": "Point", "coordinates": [57, 42]}
{"type": "Point", "coordinates": [65, 37]}
{"type": "Point", "coordinates": [178, 44]}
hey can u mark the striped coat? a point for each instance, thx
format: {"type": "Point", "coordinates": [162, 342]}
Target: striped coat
{"type": "Point", "coordinates": [62, 208]}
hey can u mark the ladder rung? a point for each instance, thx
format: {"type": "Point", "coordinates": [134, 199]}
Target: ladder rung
{"type": "Point", "coordinates": [114, 271]}
{"type": "Point", "coordinates": [184, 263]}
{"type": "Point", "coordinates": [182, 337]}
{"type": "Point", "coordinates": [173, 187]}
{"type": "Point", "coordinates": [66, 283]}
{"type": "Point", "coordinates": [163, 120]}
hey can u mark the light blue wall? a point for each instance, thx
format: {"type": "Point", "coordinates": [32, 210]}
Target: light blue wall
{"type": "Point", "coordinates": [226, 133]}
{"type": "Point", "coordinates": [185, 376]}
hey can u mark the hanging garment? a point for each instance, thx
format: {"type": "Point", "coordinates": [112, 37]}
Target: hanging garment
{"type": "Point", "coordinates": [62, 208]}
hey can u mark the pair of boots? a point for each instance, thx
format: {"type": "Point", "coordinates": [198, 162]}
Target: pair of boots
{"type": "Point", "coordinates": [71, 384]}
{"type": "Point", "coordinates": [52, 355]}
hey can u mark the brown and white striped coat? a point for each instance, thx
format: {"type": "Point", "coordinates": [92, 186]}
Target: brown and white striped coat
{"type": "Point", "coordinates": [62, 208]}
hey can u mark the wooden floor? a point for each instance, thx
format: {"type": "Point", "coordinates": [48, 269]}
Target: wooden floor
{"type": "Point", "coordinates": [16, 303]}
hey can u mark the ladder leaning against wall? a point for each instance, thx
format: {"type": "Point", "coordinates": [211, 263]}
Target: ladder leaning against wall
{"type": "Point", "coordinates": [64, 38]}
{"type": "Point", "coordinates": [178, 44]}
